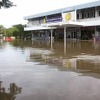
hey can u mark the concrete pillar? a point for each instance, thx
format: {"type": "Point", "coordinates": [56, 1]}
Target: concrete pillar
{"type": "Point", "coordinates": [79, 32]}
{"type": "Point", "coordinates": [51, 39]}
{"type": "Point", "coordinates": [79, 14]}
{"type": "Point", "coordinates": [32, 35]}
{"type": "Point", "coordinates": [96, 13]}
{"type": "Point", "coordinates": [75, 15]}
{"type": "Point", "coordinates": [64, 40]}
{"type": "Point", "coordinates": [96, 32]}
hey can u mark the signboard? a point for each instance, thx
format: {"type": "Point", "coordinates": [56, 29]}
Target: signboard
{"type": "Point", "coordinates": [44, 20]}
{"type": "Point", "coordinates": [69, 16]}
{"type": "Point", "coordinates": [56, 19]}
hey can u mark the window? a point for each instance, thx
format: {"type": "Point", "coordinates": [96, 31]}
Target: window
{"type": "Point", "coordinates": [82, 15]}
{"type": "Point", "coordinates": [77, 16]}
{"type": "Point", "coordinates": [92, 14]}
{"type": "Point", "coordinates": [99, 13]}
{"type": "Point", "coordinates": [88, 15]}
{"type": "Point", "coordinates": [85, 14]}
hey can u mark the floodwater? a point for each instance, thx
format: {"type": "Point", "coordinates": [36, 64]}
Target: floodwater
{"type": "Point", "coordinates": [37, 70]}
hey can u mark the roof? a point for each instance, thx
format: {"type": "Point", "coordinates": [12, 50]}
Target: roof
{"type": "Point", "coordinates": [49, 13]}
{"type": "Point", "coordinates": [67, 9]}
{"type": "Point", "coordinates": [88, 5]}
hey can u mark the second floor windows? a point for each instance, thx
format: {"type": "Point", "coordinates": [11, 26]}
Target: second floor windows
{"type": "Point", "coordinates": [86, 13]}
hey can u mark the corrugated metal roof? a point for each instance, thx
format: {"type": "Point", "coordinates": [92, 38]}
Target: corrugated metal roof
{"type": "Point", "coordinates": [81, 6]}
{"type": "Point", "coordinates": [44, 14]}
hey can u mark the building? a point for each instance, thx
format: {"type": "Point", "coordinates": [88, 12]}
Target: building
{"type": "Point", "coordinates": [75, 22]}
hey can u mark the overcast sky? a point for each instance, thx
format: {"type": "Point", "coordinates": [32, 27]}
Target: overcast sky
{"type": "Point", "coordinates": [15, 15]}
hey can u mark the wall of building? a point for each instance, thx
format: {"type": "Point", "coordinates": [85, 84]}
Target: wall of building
{"type": "Point", "coordinates": [35, 22]}
{"type": "Point", "coordinates": [89, 16]}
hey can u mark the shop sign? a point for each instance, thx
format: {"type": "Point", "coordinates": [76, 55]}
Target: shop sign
{"type": "Point", "coordinates": [69, 16]}
{"type": "Point", "coordinates": [57, 19]}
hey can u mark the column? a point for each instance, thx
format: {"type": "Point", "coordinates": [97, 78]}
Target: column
{"type": "Point", "coordinates": [51, 39]}
{"type": "Point", "coordinates": [96, 13]}
{"type": "Point", "coordinates": [32, 35]}
{"type": "Point", "coordinates": [75, 15]}
{"type": "Point", "coordinates": [96, 32]}
{"type": "Point", "coordinates": [79, 33]}
{"type": "Point", "coordinates": [64, 40]}
{"type": "Point", "coordinates": [95, 35]}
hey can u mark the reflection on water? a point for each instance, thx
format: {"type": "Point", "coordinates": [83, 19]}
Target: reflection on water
{"type": "Point", "coordinates": [76, 51]}
{"type": "Point", "coordinates": [78, 55]}
{"type": "Point", "coordinates": [50, 73]}
{"type": "Point", "coordinates": [11, 94]}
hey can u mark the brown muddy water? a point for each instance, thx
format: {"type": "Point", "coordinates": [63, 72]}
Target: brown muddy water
{"type": "Point", "coordinates": [33, 70]}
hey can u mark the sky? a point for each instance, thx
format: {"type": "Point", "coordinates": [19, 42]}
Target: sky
{"type": "Point", "coordinates": [15, 15]}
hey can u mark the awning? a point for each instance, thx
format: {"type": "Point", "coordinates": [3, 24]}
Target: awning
{"type": "Point", "coordinates": [48, 26]}
{"type": "Point", "coordinates": [72, 24]}
{"type": "Point", "coordinates": [37, 28]}
{"type": "Point", "coordinates": [61, 24]}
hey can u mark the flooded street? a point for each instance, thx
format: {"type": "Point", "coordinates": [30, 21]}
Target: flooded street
{"type": "Point", "coordinates": [51, 72]}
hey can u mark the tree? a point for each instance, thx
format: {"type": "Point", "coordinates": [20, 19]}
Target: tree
{"type": "Point", "coordinates": [15, 32]}
{"type": "Point", "coordinates": [18, 32]}
{"type": "Point", "coordinates": [2, 29]}
{"type": "Point", "coordinates": [6, 3]}
{"type": "Point", "coordinates": [20, 28]}
{"type": "Point", "coordinates": [12, 32]}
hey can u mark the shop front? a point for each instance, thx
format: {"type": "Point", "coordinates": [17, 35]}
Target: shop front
{"type": "Point", "coordinates": [73, 33]}
{"type": "Point", "coordinates": [87, 33]}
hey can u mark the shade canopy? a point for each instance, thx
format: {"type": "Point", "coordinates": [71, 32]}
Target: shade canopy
{"type": "Point", "coordinates": [38, 28]}
{"type": "Point", "coordinates": [61, 24]}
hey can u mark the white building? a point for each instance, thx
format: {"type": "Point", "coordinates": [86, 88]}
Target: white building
{"type": "Point", "coordinates": [76, 22]}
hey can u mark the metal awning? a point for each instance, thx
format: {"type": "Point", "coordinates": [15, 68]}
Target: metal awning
{"type": "Point", "coordinates": [72, 24]}
{"type": "Point", "coordinates": [48, 26]}
{"type": "Point", "coordinates": [61, 24]}
{"type": "Point", "coordinates": [38, 28]}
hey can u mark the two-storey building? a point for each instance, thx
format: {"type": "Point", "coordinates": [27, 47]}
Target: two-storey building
{"type": "Point", "coordinates": [75, 22]}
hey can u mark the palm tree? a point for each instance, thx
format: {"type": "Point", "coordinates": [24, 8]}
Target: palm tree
{"type": "Point", "coordinates": [6, 3]}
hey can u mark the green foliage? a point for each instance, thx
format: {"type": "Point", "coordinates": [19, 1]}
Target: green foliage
{"type": "Point", "coordinates": [16, 31]}
{"type": "Point", "coordinates": [6, 4]}
{"type": "Point", "coordinates": [2, 29]}
{"type": "Point", "coordinates": [20, 29]}
{"type": "Point", "coordinates": [12, 32]}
